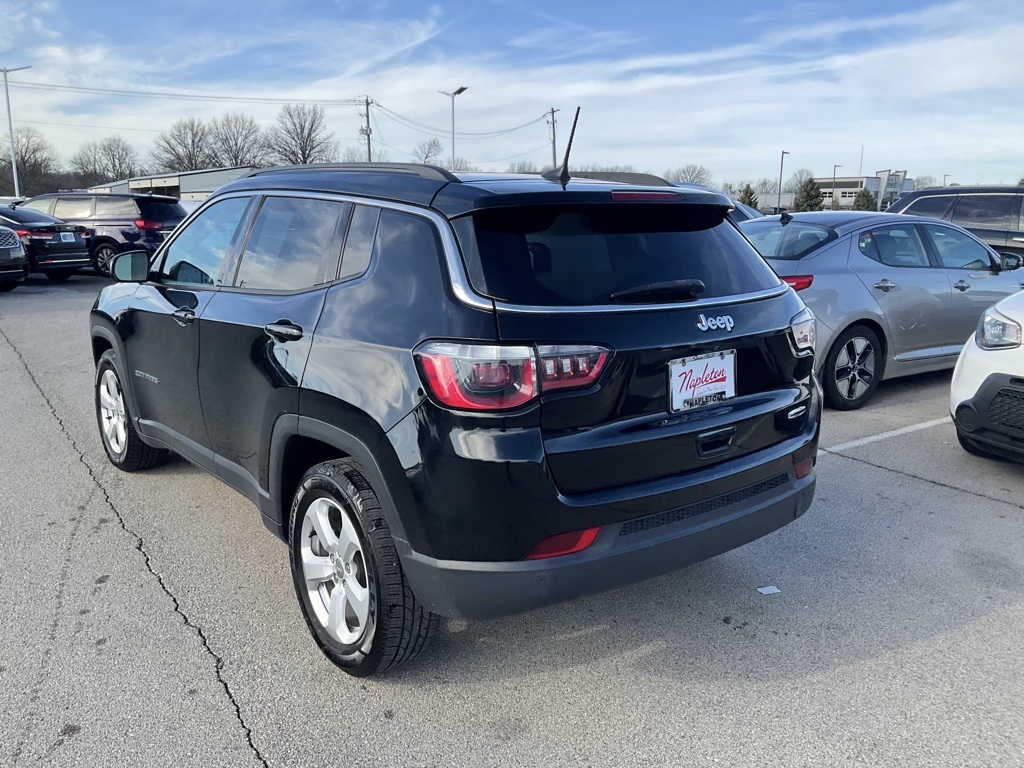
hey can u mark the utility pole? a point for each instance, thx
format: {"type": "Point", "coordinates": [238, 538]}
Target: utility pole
{"type": "Point", "coordinates": [553, 123]}
{"type": "Point", "coordinates": [10, 128]}
{"type": "Point", "coordinates": [367, 131]}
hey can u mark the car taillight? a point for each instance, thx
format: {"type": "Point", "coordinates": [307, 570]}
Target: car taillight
{"type": "Point", "coordinates": [488, 377]}
{"type": "Point", "coordinates": [33, 234]}
{"type": "Point", "coordinates": [148, 224]}
{"type": "Point", "coordinates": [563, 544]}
{"type": "Point", "coordinates": [799, 282]}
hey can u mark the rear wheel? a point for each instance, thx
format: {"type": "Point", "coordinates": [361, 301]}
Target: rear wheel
{"type": "Point", "coordinates": [853, 368]}
{"type": "Point", "coordinates": [102, 256]}
{"type": "Point", "coordinates": [124, 447]}
{"type": "Point", "coordinates": [60, 275]}
{"type": "Point", "coordinates": [347, 576]}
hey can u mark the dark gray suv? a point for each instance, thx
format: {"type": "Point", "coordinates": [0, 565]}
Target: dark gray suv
{"type": "Point", "coordinates": [119, 222]}
{"type": "Point", "coordinates": [993, 214]}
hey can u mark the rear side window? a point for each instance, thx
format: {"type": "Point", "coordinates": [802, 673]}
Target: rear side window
{"type": "Point", "coordinates": [73, 208]}
{"type": "Point", "coordinates": [580, 255]}
{"type": "Point", "coordinates": [359, 242]}
{"type": "Point", "coordinates": [293, 244]}
{"type": "Point", "coordinates": [898, 246]}
{"type": "Point", "coordinates": [21, 216]}
{"type": "Point", "coordinates": [936, 206]}
{"type": "Point", "coordinates": [116, 206]}
{"type": "Point", "coordinates": [788, 242]}
{"type": "Point", "coordinates": [983, 211]}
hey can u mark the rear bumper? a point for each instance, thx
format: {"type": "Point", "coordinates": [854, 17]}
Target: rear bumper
{"type": "Point", "coordinates": [74, 260]}
{"type": "Point", "coordinates": [622, 554]}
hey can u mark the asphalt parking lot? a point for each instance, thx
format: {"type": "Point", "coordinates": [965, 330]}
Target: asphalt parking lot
{"type": "Point", "coordinates": [150, 618]}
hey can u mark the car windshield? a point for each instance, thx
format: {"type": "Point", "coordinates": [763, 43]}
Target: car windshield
{"type": "Point", "coordinates": [594, 254]}
{"type": "Point", "coordinates": [788, 242]}
{"type": "Point", "coordinates": [25, 216]}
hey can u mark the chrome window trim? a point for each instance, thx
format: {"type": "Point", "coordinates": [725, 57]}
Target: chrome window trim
{"type": "Point", "coordinates": [722, 301]}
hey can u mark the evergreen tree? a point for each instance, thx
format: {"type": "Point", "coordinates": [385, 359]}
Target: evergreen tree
{"type": "Point", "coordinates": [864, 201]}
{"type": "Point", "coordinates": [809, 198]}
{"type": "Point", "coordinates": [748, 196]}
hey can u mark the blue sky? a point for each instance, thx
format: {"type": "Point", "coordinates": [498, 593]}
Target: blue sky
{"type": "Point", "coordinates": [931, 87]}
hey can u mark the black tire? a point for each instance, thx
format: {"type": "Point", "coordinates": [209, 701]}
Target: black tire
{"type": "Point", "coordinates": [7, 286]}
{"type": "Point", "coordinates": [974, 448]}
{"type": "Point", "coordinates": [394, 627]}
{"type": "Point", "coordinates": [60, 275]}
{"type": "Point", "coordinates": [853, 367]}
{"type": "Point", "coordinates": [101, 257]}
{"type": "Point", "coordinates": [125, 449]}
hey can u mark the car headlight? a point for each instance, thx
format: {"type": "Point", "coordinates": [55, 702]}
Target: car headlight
{"type": "Point", "coordinates": [801, 328]}
{"type": "Point", "coordinates": [995, 331]}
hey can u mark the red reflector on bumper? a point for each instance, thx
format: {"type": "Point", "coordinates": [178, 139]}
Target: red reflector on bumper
{"type": "Point", "coordinates": [563, 544]}
{"type": "Point", "coordinates": [803, 469]}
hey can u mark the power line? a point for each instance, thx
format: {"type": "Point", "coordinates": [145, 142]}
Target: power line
{"type": "Point", "coordinates": [178, 96]}
{"type": "Point", "coordinates": [408, 122]}
{"type": "Point", "coordinates": [545, 145]}
{"type": "Point", "coordinates": [104, 127]}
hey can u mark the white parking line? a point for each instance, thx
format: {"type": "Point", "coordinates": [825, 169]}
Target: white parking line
{"type": "Point", "coordinates": [886, 435]}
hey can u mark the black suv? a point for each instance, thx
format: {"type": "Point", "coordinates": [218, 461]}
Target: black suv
{"type": "Point", "coordinates": [119, 222]}
{"type": "Point", "coordinates": [992, 214]}
{"type": "Point", "coordinates": [464, 396]}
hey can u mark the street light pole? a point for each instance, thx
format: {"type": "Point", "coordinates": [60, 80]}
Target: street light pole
{"type": "Point", "coordinates": [10, 128]}
{"type": "Point", "coordinates": [944, 177]}
{"type": "Point", "coordinates": [453, 94]}
{"type": "Point", "coordinates": [834, 185]}
{"type": "Point", "coordinates": [782, 161]}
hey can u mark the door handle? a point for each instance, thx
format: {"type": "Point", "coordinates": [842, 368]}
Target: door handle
{"type": "Point", "coordinates": [184, 316]}
{"type": "Point", "coordinates": [961, 285]}
{"type": "Point", "coordinates": [283, 330]}
{"type": "Point", "coordinates": [885, 285]}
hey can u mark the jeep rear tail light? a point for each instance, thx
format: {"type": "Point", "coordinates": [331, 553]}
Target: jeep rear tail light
{"type": "Point", "coordinates": [148, 224]}
{"type": "Point", "coordinates": [489, 377]}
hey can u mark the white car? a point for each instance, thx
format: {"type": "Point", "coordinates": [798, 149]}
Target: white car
{"type": "Point", "coordinates": [987, 393]}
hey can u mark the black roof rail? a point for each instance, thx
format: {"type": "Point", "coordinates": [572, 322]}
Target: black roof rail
{"type": "Point", "coordinates": [432, 172]}
{"type": "Point", "coordinates": [625, 177]}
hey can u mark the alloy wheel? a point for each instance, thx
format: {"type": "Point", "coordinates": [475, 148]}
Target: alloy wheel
{"type": "Point", "coordinates": [855, 368]}
{"type": "Point", "coordinates": [113, 419]}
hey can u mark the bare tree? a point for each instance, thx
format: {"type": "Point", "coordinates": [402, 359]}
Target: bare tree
{"type": "Point", "coordinates": [766, 186]}
{"type": "Point", "coordinates": [301, 136]}
{"type": "Point", "coordinates": [120, 159]}
{"type": "Point", "coordinates": [523, 166]}
{"type": "Point", "coordinates": [694, 174]}
{"type": "Point", "coordinates": [920, 182]}
{"type": "Point", "coordinates": [87, 164]}
{"type": "Point", "coordinates": [237, 139]}
{"type": "Point", "coordinates": [462, 165]}
{"type": "Point", "coordinates": [38, 163]}
{"type": "Point", "coordinates": [429, 151]}
{"type": "Point", "coordinates": [797, 180]}
{"type": "Point", "coordinates": [187, 146]}
{"type": "Point", "coordinates": [598, 168]}
{"type": "Point", "coordinates": [358, 155]}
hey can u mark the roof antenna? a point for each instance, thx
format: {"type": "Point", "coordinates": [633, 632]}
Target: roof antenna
{"type": "Point", "coordinates": [563, 176]}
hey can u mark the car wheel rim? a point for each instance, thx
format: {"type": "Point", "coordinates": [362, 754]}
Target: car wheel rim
{"type": "Point", "coordinates": [114, 420]}
{"type": "Point", "coordinates": [855, 368]}
{"type": "Point", "coordinates": [334, 571]}
{"type": "Point", "coordinates": [103, 257]}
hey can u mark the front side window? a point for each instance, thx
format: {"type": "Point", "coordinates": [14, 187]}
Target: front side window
{"type": "Point", "coordinates": [293, 244]}
{"type": "Point", "coordinates": [898, 246]}
{"type": "Point", "coordinates": [958, 250]}
{"type": "Point", "coordinates": [38, 205]}
{"type": "Point", "coordinates": [73, 208]}
{"type": "Point", "coordinates": [983, 211]}
{"type": "Point", "coordinates": [197, 254]}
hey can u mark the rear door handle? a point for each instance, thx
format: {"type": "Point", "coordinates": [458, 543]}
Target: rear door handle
{"type": "Point", "coordinates": [885, 285]}
{"type": "Point", "coordinates": [184, 316]}
{"type": "Point", "coordinates": [961, 285]}
{"type": "Point", "coordinates": [283, 330]}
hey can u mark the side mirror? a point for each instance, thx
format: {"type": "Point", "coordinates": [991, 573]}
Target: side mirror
{"type": "Point", "coordinates": [1010, 261]}
{"type": "Point", "coordinates": [130, 267]}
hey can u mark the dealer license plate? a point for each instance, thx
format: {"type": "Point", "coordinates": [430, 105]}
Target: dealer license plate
{"type": "Point", "coordinates": [702, 379]}
{"type": "Point", "coordinates": [67, 237]}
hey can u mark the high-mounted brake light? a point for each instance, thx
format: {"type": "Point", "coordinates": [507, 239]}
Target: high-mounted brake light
{"type": "Point", "coordinates": [148, 224]}
{"type": "Point", "coordinates": [488, 377]}
{"type": "Point", "coordinates": [799, 282]}
{"type": "Point", "coordinates": [643, 196]}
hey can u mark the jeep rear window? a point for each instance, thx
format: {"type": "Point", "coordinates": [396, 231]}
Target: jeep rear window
{"type": "Point", "coordinates": [580, 255]}
{"type": "Point", "coordinates": [788, 242]}
{"type": "Point", "coordinates": [161, 210]}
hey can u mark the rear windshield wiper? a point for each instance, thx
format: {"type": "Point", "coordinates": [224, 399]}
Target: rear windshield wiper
{"type": "Point", "coordinates": [670, 289]}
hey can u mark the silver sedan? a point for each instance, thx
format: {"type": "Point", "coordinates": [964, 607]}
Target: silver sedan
{"type": "Point", "coordinates": [892, 295]}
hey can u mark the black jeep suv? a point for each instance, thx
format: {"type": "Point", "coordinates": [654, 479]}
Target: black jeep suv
{"type": "Point", "coordinates": [464, 396]}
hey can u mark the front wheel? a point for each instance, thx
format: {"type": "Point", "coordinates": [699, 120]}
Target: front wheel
{"type": "Point", "coordinates": [853, 368]}
{"type": "Point", "coordinates": [124, 447]}
{"type": "Point", "coordinates": [348, 579]}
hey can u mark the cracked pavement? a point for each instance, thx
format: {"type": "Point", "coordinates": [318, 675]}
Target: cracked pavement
{"type": "Point", "coordinates": [150, 618]}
